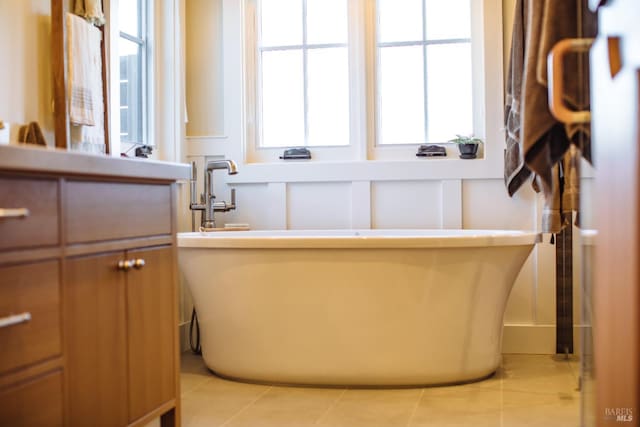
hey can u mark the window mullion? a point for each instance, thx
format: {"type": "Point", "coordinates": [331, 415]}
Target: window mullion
{"type": "Point", "coordinates": [133, 39]}
{"type": "Point", "coordinates": [423, 42]}
{"type": "Point", "coordinates": [424, 71]}
{"type": "Point", "coordinates": [300, 47]}
{"type": "Point", "coordinates": [305, 72]}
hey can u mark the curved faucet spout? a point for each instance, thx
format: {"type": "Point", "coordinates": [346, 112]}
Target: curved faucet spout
{"type": "Point", "coordinates": [229, 165]}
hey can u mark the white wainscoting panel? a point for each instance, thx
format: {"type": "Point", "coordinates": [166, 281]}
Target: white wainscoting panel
{"type": "Point", "coordinates": [276, 209]}
{"type": "Point", "coordinates": [521, 304]}
{"type": "Point", "coordinates": [319, 205]}
{"type": "Point", "coordinates": [361, 204]}
{"type": "Point", "coordinates": [406, 204]}
{"type": "Point", "coordinates": [486, 205]}
{"type": "Point", "coordinates": [253, 207]}
{"type": "Point", "coordinates": [452, 204]}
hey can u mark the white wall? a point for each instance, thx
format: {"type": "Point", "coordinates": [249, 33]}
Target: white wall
{"type": "Point", "coordinates": [25, 65]}
{"type": "Point", "coordinates": [415, 202]}
{"type": "Point", "coordinates": [204, 82]}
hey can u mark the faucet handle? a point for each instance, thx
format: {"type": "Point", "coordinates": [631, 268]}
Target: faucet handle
{"type": "Point", "coordinates": [226, 206]}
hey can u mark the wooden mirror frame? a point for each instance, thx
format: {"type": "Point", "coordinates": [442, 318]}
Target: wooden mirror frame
{"type": "Point", "coordinates": [60, 67]}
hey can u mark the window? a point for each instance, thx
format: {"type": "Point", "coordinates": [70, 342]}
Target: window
{"type": "Point", "coordinates": [133, 55]}
{"type": "Point", "coordinates": [303, 67]}
{"type": "Point", "coordinates": [424, 71]}
{"type": "Point", "coordinates": [370, 79]}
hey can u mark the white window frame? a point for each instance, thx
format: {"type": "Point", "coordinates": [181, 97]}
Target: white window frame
{"type": "Point", "coordinates": [366, 161]}
{"type": "Point", "coordinates": [379, 151]}
{"type": "Point", "coordinates": [146, 44]}
{"type": "Point", "coordinates": [261, 154]}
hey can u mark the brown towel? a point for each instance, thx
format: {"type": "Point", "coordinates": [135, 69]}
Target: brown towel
{"type": "Point", "coordinates": [536, 141]}
{"type": "Point", "coordinates": [565, 199]}
{"type": "Point", "coordinates": [543, 138]}
{"type": "Point", "coordinates": [515, 171]}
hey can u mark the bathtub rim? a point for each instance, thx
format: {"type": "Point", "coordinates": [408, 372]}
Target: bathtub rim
{"type": "Point", "coordinates": [362, 238]}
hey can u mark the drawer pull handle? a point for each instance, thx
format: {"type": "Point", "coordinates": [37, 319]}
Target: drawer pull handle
{"type": "Point", "coordinates": [125, 265]}
{"type": "Point", "coordinates": [138, 263]}
{"type": "Point", "coordinates": [14, 213]}
{"type": "Point", "coordinates": [14, 319]}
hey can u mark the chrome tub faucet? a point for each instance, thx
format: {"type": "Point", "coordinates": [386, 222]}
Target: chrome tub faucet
{"type": "Point", "coordinates": [207, 203]}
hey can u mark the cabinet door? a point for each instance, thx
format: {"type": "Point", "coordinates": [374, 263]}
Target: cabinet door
{"type": "Point", "coordinates": [95, 340]}
{"type": "Point", "coordinates": [150, 312]}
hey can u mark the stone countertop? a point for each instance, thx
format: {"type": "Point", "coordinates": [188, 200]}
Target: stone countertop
{"type": "Point", "coordinates": [25, 158]}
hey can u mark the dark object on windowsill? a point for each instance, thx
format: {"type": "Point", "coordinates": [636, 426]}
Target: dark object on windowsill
{"type": "Point", "coordinates": [296, 154]}
{"type": "Point", "coordinates": [431, 151]}
{"type": "Point", "coordinates": [31, 134]}
{"type": "Point", "coordinates": [468, 151]}
{"type": "Point", "coordinates": [144, 151]}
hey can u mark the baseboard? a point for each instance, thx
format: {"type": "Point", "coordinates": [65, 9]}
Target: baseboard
{"type": "Point", "coordinates": [537, 339]}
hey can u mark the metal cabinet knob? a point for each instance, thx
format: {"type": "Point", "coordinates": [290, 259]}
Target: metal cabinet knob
{"type": "Point", "coordinates": [138, 263]}
{"type": "Point", "coordinates": [125, 265]}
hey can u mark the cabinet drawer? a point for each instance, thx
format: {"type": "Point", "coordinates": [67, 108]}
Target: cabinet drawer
{"type": "Point", "coordinates": [40, 198]}
{"type": "Point", "coordinates": [97, 211]}
{"type": "Point", "coordinates": [29, 290]}
{"type": "Point", "coordinates": [34, 403]}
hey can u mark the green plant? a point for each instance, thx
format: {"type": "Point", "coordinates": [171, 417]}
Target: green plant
{"type": "Point", "coordinates": [462, 139]}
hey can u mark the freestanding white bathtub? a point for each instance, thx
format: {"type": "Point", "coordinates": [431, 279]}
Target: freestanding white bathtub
{"type": "Point", "coordinates": [352, 307]}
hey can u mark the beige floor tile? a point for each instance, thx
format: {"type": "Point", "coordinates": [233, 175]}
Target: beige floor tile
{"type": "Point", "coordinates": [534, 373]}
{"type": "Point", "coordinates": [527, 390]}
{"type": "Point", "coordinates": [288, 406]}
{"type": "Point", "coordinates": [193, 372]}
{"type": "Point", "coordinates": [476, 406]}
{"type": "Point", "coordinates": [372, 408]}
{"type": "Point", "coordinates": [216, 401]}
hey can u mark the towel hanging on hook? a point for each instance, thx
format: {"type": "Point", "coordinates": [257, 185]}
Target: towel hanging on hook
{"type": "Point", "coordinates": [91, 10]}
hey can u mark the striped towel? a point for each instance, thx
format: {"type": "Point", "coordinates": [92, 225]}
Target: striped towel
{"type": "Point", "coordinates": [85, 70]}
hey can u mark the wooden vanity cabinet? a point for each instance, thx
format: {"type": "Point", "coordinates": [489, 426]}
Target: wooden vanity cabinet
{"type": "Point", "coordinates": [120, 303]}
{"type": "Point", "coordinates": [94, 265]}
{"type": "Point", "coordinates": [118, 347]}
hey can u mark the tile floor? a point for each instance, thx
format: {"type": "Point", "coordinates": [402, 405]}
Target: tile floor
{"type": "Point", "coordinates": [527, 390]}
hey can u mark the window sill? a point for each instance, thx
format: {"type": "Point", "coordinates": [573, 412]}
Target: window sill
{"type": "Point", "coordinates": [368, 170]}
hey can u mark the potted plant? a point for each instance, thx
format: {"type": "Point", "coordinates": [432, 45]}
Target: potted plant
{"type": "Point", "coordinates": [468, 145]}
